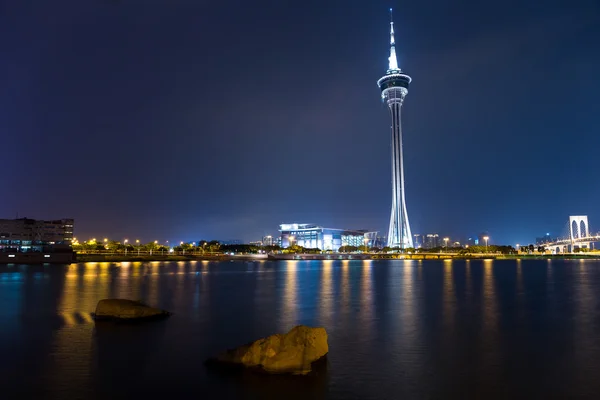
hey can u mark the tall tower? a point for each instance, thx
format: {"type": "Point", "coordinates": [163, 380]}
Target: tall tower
{"type": "Point", "coordinates": [394, 86]}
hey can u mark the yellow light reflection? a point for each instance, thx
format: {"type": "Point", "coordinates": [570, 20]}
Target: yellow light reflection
{"type": "Point", "coordinates": [345, 284]}
{"type": "Point", "coordinates": [469, 279]}
{"type": "Point", "coordinates": [288, 318]}
{"type": "Point", "coordinates": [68, 318]}
{"type": "Point", "coordinates": [366, 298]}
{"type": "Point", "coordinates": [520, 288]}
{"type": "Point", "coordinates": [449, 296]}
{"type": "Point", "coordinates": [86, 317]}
{"type": "Point", "coordinates": [408, 305]}
{"type": "Point", "coordinates": [490, 312]}
{"type": "Point", "coordinates": [326, 294]}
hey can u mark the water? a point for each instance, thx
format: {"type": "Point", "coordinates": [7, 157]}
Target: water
{"type": "Point", "coordinates": [397, 329]}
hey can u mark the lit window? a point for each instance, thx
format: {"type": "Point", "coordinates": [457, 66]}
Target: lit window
{"type": "Point", "coordinates": [47, 255]}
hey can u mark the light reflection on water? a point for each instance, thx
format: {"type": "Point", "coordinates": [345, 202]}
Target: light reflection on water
{"type": "Point", "coordinates": [397, 328]}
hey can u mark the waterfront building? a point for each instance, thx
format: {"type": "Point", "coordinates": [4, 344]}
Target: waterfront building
{"type": "Point", "coordinates": [432, 240]}
{"type": "Point", "coordinates": [256, 243]}
{"type": "Point", "coordinates": [380, 242]}
{"type": "Point", "coordinates": [371, 239]}
{"type": "Point", "coordinates": [394, 87]}
{"type": "Point", "coordinates": [31, 235]}
{"type": "Point", "coordinates": [317, 237]}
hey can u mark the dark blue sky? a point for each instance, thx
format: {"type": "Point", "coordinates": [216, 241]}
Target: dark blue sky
{"type": "Point", "coordinates": [189, 119]}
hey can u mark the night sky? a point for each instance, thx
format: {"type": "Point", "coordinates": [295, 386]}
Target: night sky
{"type": "Point", "coordinates": [190, 119]}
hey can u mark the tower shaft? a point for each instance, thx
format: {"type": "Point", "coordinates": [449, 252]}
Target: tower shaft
{"type": "Point", "coordinates": [399, 234]}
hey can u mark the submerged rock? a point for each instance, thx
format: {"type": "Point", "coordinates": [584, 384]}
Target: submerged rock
{"type": "Point", "coordinates": [122, 309]}
{"type": "Point", "coordinates": [290, 353]}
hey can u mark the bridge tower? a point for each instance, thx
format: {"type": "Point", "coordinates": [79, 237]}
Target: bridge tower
{"type": "Point", "coordinates": [579, 229]}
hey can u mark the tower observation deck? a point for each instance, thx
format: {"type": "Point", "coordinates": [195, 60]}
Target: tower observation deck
{"type": "Point", "coordinates": [394, 87]}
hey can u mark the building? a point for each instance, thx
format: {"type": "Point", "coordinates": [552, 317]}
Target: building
{"type": "Point", "coordinates": [31, 235]}
{"type": "Point", "coordinates": [432, 240]}
{"type": "Point", "coordinates": [231, 242]}
{"type": "Point", "coordinates": [544, 239]}
{"type": "Point", "coordinates": [394, 87]}
{"type": "Point", "coordinates": [418, 240]}
{"type": "Point", "coordinates": [372, 240]}
{"type": "Point", "coordinates": [317, 237]}
{"type": "Point", "coordinates": [267, 240]}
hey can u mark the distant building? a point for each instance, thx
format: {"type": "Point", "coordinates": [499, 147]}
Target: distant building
{"type": "Point", "coordinates": [432, 240]}
{"type": "Point", "coordinates": [317, 237]}
{"type": "Point", "coordinates": [231, 241]}
{"type": "Point", "coordinates": [418, 241]}
{"type": "Point", "coordinates": [31, 235]}
{"type": "Point", "coordinates": [267, 240]}
{"type": "Point", "coordinates": [372, 240]}
{"type": "Point", "coordinates": [544, 239]}
{"type": "Point", "coordinates": [481, 238]}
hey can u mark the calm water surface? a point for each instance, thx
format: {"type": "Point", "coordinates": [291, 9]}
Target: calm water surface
{"type": "Point", "coordinates": [397, 329]}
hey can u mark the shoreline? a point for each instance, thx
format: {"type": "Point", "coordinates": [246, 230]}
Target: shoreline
{"type": "Point", "coordinates": [82, 258]}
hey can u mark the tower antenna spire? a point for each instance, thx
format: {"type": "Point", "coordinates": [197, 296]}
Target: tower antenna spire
{"type": "Point", "coordinates": [393, 61]}
{"type": "Point", "coordinates": [391, 27]}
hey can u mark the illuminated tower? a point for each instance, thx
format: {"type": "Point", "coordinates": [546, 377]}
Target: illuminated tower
{"type": "Point", "coordinates": [394, 86]}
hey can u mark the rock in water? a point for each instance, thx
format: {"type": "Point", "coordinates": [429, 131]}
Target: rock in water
{"type": "Point", "coordinates": [122, 309]}
{"type": "Point", "coordinates": [292, 353]}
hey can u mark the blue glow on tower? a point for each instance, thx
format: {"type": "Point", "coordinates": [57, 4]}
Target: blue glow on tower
{"type": "Point", "coordinates": [394, 87]}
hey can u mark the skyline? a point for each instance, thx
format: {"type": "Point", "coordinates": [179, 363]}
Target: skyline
{"type": "Point", "coordinates": [126, 118]}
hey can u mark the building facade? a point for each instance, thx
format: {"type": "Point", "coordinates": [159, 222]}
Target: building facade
{"type": "Point", "coordinates": [317, 237]}
{"type": "Point", "coordinates": [418, 240]}
{"type": "Point", "coordinates": [432, 240]}
{"type": "Point", "coordinates": [30, 235]}
{"type": "Point", "coordinates": [267, 240]}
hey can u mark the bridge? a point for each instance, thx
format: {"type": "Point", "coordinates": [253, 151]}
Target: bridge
{"type": "Point", "coordinates": [579, 237]}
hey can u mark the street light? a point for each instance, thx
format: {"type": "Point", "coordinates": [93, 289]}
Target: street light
{"type": "Point", "coordinates": [137, 242]}
{"type": "Point", "coordinates": [518, 247]}
{"type": "Point", "coordinates": [125, 242]}
{"type": "Point", "coordinates": [446, 243]}
{"type": "Point", "coordinates": [183, 250]}
{"type": "Point", "coordinates": [291, 239]}
{"type": "Point", "coordinates": [486, 238]}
